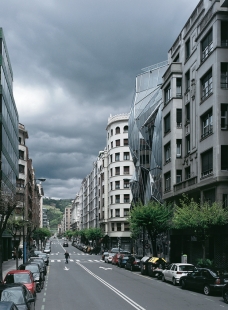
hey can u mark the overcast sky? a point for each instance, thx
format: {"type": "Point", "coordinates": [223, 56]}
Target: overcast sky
{"type": "Point", "coordinates": [74, 64]}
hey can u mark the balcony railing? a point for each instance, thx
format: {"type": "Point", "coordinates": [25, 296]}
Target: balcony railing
{"type": "Point", "coordinates": [185, 184]}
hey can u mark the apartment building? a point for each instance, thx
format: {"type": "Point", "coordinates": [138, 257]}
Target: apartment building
{"type": "Point", "coordinates": [67, 219]}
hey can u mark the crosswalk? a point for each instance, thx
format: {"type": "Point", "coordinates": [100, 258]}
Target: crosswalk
{"type": "Point", "coordinates": [60, 253]}
{"type": "Point", "coordinates": [77, 260]}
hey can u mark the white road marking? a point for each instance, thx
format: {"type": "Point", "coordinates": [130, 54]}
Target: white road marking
{"type": "Point", "coordinates": [105, 268]}
{"type": "Point", "coordinates": [65, 268]}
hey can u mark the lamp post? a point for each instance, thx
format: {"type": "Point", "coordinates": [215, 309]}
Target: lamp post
{"type": "Point", "coordinates": [26, 220]}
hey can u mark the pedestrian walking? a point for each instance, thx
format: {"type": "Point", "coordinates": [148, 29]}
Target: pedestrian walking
{"type": "Point", "coordinates": [67, 256]}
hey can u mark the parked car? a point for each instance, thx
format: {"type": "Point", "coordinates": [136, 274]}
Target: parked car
{"type": "Point", "coordinates": [204, 280]}
{"type": "Point", "coordinates": [47, 250]}
{"type": "Point", "coordinates": [22, 276]}
{"type": "Point", "coordinates": [122, 260]}
{"type": "Point", "coordinates": [108, 258]}
{"type": "Point", "coordinates": [37, 274]}
{"type": "Point", "coordinates": [116, 250]}
{"type": "Point", "coordinates": [45, 257]}
{"type": "Point", "coordinates": [115, 258]}
{"type": "Point", "coordinates": [156, 265]}
{"type": "Point", "coordinates": [174, 272]}
{"type": "Point", "coordinates": [65, 244]}
{"type": "Point", "coordinates": [19, 294]}
{"type": "Point", "coordinates": [8, 305]}
{"type": "Point", "coordinates": [133, 263]}
{"type": "Point", "coordinates": [40, 261]}
{"type": "Point", "coordinates": [104, 255]}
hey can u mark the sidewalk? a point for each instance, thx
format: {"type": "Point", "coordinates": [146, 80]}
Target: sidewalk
{"type": "Point", "coordinates": [9, 265]}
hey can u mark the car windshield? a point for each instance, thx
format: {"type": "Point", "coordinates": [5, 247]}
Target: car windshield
{"type": "Point", "coordinates": [186, 268]}
{"type": "Point", "coordinates": [18, 277]}
{"type": "Point", "coordinates": [13, 295]}
{"type": "Point", "coordinates": [32, 267]}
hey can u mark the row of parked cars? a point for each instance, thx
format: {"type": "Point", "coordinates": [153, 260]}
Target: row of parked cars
{"type": "Point", "coordinates": [19, 288]}
{"type": "Point", "coordinates": [186, 275]}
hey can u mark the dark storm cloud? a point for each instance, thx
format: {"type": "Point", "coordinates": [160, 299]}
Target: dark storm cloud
{"type": "Point", "coordinates": [74, 64]}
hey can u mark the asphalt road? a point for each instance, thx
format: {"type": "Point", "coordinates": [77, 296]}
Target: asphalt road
{"type": "Point", "coordinates": [88, 283]}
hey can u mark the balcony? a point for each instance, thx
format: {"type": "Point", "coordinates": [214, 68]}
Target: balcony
{"type": "Point", "coordinates": [189, 182]}
{"type": "Point", "coordinates": [175, 67]}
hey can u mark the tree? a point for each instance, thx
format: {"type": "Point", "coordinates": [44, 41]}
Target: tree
{"type": "Point", "coordinates": [8, 203]}
{"type": "Point", "coordinates": [199, 217]}
{"type": "Point", "coordinates": [68, 234]}
{"type": "Point", "coordinates": [94, 234]}
{"type": "Point", "coordinates": [41, 234]}
{"type": "Point", "coordinates": [153, 216]}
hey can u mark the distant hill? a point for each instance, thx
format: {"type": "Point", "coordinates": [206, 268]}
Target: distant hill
{"type": "Point", "coordinates": [60, 204]}
{"type": "Point", "coordinates": [55, 210]}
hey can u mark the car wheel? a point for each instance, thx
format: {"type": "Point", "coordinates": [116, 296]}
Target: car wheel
{"type": "Point", "coordinates": [206, 290]}
{"type": "Point", "coordinates": [163, 278]}
{"type": "Point", "coordinates": [225, 296]}
{"type": "Point", "coordinates": [174, 282]}
{"type": "Point", "coordinates": [183, 284]}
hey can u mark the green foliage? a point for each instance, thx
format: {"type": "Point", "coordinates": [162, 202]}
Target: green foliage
{"type": "Point", "coordinates": [199, 217]}
{"type": "Point", "coordinates": [60, 204]}
{"type": "Point", "coordinates": [205, 263]}
{"type": "Point", "coordinates": [93, 234]}
{"type": "Point", "coordinates": [41, 233]}
{"type": "Point", "coordinates": [153, 216]}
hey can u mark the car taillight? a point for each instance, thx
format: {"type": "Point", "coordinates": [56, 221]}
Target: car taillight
{"type": "Point", "coordinates": [178, 272]}
{"type": "Point", "coordinates": [217, 281]}
{"type": "Point", "coordinates": [134, 263]}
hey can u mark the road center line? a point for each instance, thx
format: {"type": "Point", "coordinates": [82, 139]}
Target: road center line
{"type": "Point", "coordinates": [127, 299]}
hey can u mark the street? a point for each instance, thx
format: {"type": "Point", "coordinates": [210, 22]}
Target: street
{"type": "Point", "coordinates": [86, 282]}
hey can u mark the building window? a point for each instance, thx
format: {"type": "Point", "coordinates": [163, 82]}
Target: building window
{"type": "Point", "coordinates": [19, 140]}
{"type": "Point", "coordinates": [117, 199]}
{"type": "Point", "coordinates": [125, 128]}
{"type": "Point", "coordinates": [179, 147]}
{"type": "Point", "coordinates": [111, 145]}
{"type": "Point", "coordinates": [117, 157]}
{"type": "Point", "coordinates": [207, 45]}
{"type": "Point", "coordinates": [111, 132]}
{"type": "Point", "coordinates": [224, 75]}
{"type": "Point", "coordinates": [167, 150]}
{"type": "Point", "coordinates": [225, 200]}
{"type": "Point", "coordinates": [187, 81]}
{"type": "Point", "coordinates": [126, 212]}
{"type": "Point", "coordinates": [126, 170]}
{"type": "Point", "coordinates": [224, 33]}
{"type": "Point", "coordinates": [113, 226]}
{"type": "Point", "coordinates": [224, 116]}
{"type": "Point", "coordinates": [187, 49]}
{"type": "Point", "coordinates": [126, 156]}
{"type": "Point", "coordinates": [117, 130]}
{"type": "Point", "coordinates": [207, 162]}
{"type": "Point", "coordinates": [125, 142]}
{"type": "Point", "coordinates": [179, 118]}
{"type": "Point", "coordinates": [167, 123]}
{"type": "Point", "coordinates": [117, 212]}
{"type": "Point", "coordinates": [110, 158]}
{"type": "Point", "coordinates": [118, 226]}
{"type": "Point", "coordinates": [178, 176]}
{"type": "Point", "coordinates": [126, 183]}
{"type": "Point", "coordinates": [111, 198]}
{"type": "Point", "coordinates": [206, 83]}
{"type": "Point", "coordinates": [111, 186]}
{"type": "Point", "coordinates": [224, 157]}
{"type": "Point", "coordinates": [187, 173]}
{"type": "Point", "coordinates": [167, 94]}
{"type": "Point", "coordinates": [117, 171]}
{"type": "Point", "coordinates": [187, 113]}
{"type": "Point", "coordinates": [167, 181]}
{"type": "Point", "coordinates": [126, 198]}
{"type": "Point", "coordinates": [103, 188]}
{"type": "Point", "coordinates": [126, 227]}
{"type": "Point", "coordinates": [178, 88]}
{"type": "Point", "coordinates": [21, 169]}
{"type": "Point", "coordinates": [21, 154]}
{"type": "Point", "coordinates": [117, 185]}
{"type": "Point", "coordinates": [110, 173]}
{"type": "Point", "coordinates": [207, 124]}
{"type": "Point", "coordinates": [188, 145]}
{"type": "Point", "coordinates": [117, 142]}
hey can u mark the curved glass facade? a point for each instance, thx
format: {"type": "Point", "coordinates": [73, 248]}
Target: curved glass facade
{"type": "Point", "coordinates": [145, 135]}
{"type": "Point", "coordinates": [9, 121]}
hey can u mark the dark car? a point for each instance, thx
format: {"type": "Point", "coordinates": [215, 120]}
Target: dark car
{"type": "Point", "coordinates": [19, 294]}
{"type": "Point", "coordinates": [122, 260]}
{"type": "Point", "coordinates": [144, 264]}
{"type": "Point", "coordinates": [40, 262]}
{"type": "Point", "coordinates": [225, 293]}
{"type": "Point", "coordinates": [205, 280]}
{"type": "Point", "coordinates": [45, 258]}
{"type": "Point", "coordinates": [8, 305]}
{"type": "Point", "coordinates": [65, 244]}
{"type": "Point", "coordinates": [133, 263]}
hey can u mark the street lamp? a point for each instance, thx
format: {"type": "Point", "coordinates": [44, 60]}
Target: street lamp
{"type": "Point", "coordinates": [26, 220]}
